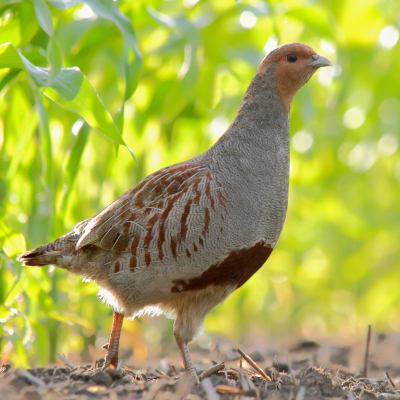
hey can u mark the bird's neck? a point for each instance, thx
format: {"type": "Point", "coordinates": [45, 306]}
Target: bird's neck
{"type": "Point", "coordinates": [261, 127]}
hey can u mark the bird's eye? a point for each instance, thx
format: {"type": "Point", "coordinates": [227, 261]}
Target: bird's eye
{"type": "Point", "coordinates": [292, 58]}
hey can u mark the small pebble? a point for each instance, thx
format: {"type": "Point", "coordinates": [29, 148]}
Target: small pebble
{"type": "Point", "coordinates": [114, 374]}
{"type": "Point", "coordinates": [64, 370]}
{"type": "Point", "coordinates": [102, 378]}
{"type": "Point", "coordinates": [80, 375]}
{"type": "Point", "coordinates": [49, 371]}
{"type": "Point", "coordinates": [127, 379]}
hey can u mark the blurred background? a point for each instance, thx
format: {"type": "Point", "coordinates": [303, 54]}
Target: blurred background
{"type": "Point", "coordinates": [172, 75]}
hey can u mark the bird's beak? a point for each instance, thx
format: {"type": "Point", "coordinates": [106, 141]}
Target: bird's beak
{"type": "Point", "coordinates": [320, 62]}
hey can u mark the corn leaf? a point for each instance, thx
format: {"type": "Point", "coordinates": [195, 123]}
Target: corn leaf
{"type": "Point", "coordinates": [132, 56]}
{"type": "Point", "coordinates": [70, 89]}
{"type": "Point", "coordinates": [183, 89]}
{"type": "Point", "coordinates": [43, 16]}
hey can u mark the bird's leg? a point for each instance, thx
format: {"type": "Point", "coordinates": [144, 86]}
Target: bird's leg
{"type": "Point", "coordinates": [187, 360]}
{"type": "Point", "coordinates": [112, 351]}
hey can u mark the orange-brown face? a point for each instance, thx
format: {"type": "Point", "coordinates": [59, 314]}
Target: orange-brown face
{"type": "Point", "coordinates": [291, 66]}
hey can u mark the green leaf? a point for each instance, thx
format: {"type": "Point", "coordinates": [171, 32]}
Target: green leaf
{"type": "Point", "coordinates": [18, 287]}
{"type": "Point", "coordinates": [316, 17]}
{"type": "Point", "coordinates": [20, 26]}
{"type": "Point", "coordinates": [47, 158]}
{"type": "Point", "coordinates": [132, 56]}
{"type": "Point", "coordinates": [9, 77]}
{"type": "Point", "coordinates": [20, 349]}
{"type": "Point", "coordinates": [43, 16]}
{"type": "Point", "coordinates": [28, 125]}
{"type": "Point", "coordinates": [70, 89]}
{"type": "Point", "coordinates": [71, 165]}
{"type": "Point", "coordinates": [46, 143]}
{"type": "Point", "coordinates": [4, 311]}
{"type": "Point", "coordinates": [183, 89]}
{"type": "Point", "coordinates": [41, 342]}
{"type": "Point", "coordinates": [5, 2]}
{"type": "Point", "coordinates": [74, 157]}
{"type": "Point", "coordinates": [35, 292]}
{"type": "Point", "coordinates": [54, 56]}
{"type": "Point", "coordinates": [76, 319]}
{"type": "Point", "coordinates": [13, 243]}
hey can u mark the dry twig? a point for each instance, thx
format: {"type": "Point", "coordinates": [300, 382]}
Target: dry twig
{"type": "Point", "coordinates": [209, 389]}
{"type": "Point", "coordinates": [162, 373]}
{"type": "Point", "coordinates": [229, 371]}
{"type": "Point", "coordinates": [367, 352]}
{"type": "Point", "coordinates": [174, 370]}
{"type": "Point", "coordinates": [243, 382]}
{"type": "Point", "coordinates": [389, 379]}
{"type": "Point", "coordinates": [211, 370]}
{"type": "Point", "coordinates": [154, 389]}
{"type": "Point", "coordinates": [230, 390]}
{"type": "Point", "coordinates": [29, 377]}
{"type": "Point", "coordinates": [66, 362]}
{"type": "Point", "coordinates": [254, 365]}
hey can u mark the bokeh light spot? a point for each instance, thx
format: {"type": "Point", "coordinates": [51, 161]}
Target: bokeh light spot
{"type": "Point", "coordinates": [218, 127]}
{"type": "Point", "coordinates": [388, 37]}
{"type": "Point", "coordinates": [76, 127]}
{"type": "Point", "coordinates": [328, 47]}
{"type": "Point", "coordinates": [325, 76]}
{"type": "Point", "coordinates": [84, 13]}
{"type": "Point", "coordinates": [388, 144]}
{"type": "Point", "coordinates": [354, 117]}
{"type": "Point", "coordinates": [302, 141]}
{"type": "Point", "coordinates": [271, 44]}
{"type": "Point", "coordinates": [247, 19]}
{"type": "Point", "coordinates": [362, 157]}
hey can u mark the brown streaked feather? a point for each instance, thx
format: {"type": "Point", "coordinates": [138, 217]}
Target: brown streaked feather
{"type": "Point", "coordinates": [134, 246]}
{"type": "Point", "coordinates": [137, 219]}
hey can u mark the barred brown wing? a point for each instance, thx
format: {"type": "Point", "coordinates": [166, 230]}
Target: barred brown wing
{"type": "Point", "coordinates": [158, 217]}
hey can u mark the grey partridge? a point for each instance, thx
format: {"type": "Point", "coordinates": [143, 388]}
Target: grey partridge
{"type": "Point", "coordinates": [190, 234]}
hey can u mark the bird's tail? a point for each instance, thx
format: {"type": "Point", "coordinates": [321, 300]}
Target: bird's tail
{"type": "Point", "coordinates": [44, 255]}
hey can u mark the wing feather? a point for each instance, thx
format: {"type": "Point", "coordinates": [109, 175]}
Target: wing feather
{"type": "Point", "coordinates": [130, 220]}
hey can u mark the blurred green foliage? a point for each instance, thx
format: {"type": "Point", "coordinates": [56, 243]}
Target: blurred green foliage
{"type": "Point", "coordinates": [172, 74]}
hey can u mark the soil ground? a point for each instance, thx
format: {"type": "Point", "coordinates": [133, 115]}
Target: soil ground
{"type": "Point", "coordinates": [306, 370]}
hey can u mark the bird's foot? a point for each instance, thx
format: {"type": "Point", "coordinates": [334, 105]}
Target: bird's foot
{"type": "Point", "coordinates": [110, 361]}
{"type": "Point", "coordinates": [188, 363]}
{"type": "Point", "coordinates": [111, 358]}
{"type": "Point", "coordinates": [193, 377]}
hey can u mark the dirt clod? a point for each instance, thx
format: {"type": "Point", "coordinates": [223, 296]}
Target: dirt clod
{"type": "Point", "coordinates": [102, 378]}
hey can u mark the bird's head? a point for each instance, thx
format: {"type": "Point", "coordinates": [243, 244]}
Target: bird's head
{"type": "Point", "coordinates": [290, 66]}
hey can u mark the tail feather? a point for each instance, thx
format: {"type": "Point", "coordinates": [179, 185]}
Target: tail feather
{"type": "Point", "coordinates": [43, 255]}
